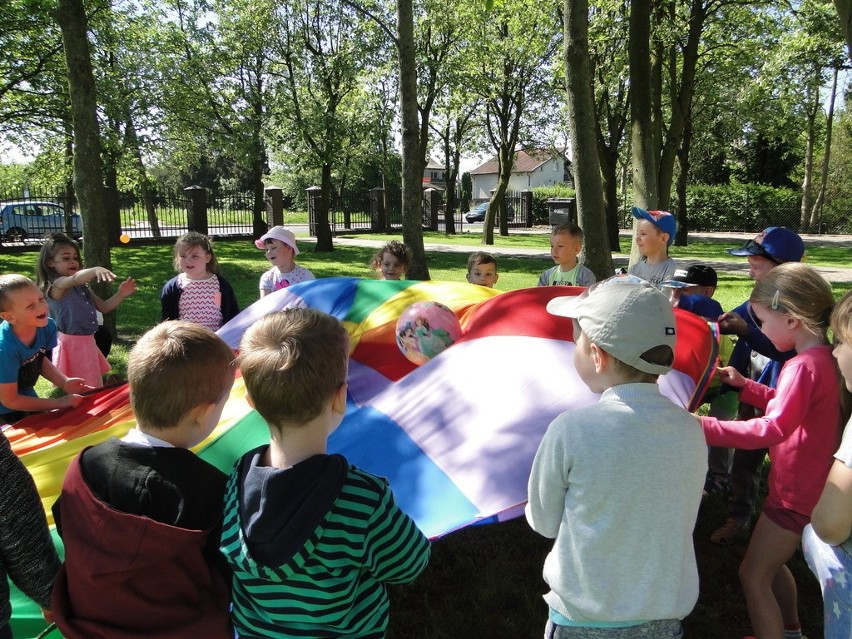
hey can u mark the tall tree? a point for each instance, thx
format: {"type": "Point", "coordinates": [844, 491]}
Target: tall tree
{"type": "Point", "coordinates": [582, 124]}
{"type": "Point", "coordinates": [323, 48]}
{"type": "Point", "coordinates": [412, 165]}
{"type": "Point", "coordinates": [514, 51]}
{"type": "Point", "coordinates": [608, 60]}
{"type": "Point", "coordinates": [88, 175]}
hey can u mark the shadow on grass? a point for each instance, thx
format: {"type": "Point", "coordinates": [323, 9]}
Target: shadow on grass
{"type": "Point", "coordinates": [485, 582]}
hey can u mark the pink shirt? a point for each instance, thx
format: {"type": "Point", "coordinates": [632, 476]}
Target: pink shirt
{"type": "Point", "coordinates": [801, 426]}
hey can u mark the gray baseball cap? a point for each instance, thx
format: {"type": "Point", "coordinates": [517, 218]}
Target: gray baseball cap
{"type": "Point", "coordinates": [625, 316]}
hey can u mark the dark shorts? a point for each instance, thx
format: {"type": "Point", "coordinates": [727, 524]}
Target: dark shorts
{"type": "Point", "coordinates": [784, 517]}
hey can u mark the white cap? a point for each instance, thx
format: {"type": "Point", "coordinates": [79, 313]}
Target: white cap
{"type": "Point", "coordinates": [282, 235]}
{"type": "Point", "coordinates": [625, 316]}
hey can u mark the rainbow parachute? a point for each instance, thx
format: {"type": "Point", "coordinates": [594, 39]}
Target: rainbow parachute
{"type": "Point", "coordinates": [455, 436]}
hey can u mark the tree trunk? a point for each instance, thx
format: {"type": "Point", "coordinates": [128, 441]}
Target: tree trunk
{"type": "Point", "coordinates": [816, 213]}
{"type": "Point", "coordinates": [88, 172]}
{"type": "Point", "coordinates": [645, 190]}
{"type": "Point", "coordinates": [258, 168]}
{"type": "Point", "coordinates": [451, 165]}
{"type": "Point", "coordinates": [497, 206]}
{"type": "Point", "coordinates": [581, 114]}
{"type": "Point", "coordinates": [325, 240]}
{"type": "Point", "coordinates": [807, 180]}
{"type": "Point", "coordinates": [609, 179]}
{"type": "Point", "coordinates": [131, 140]}
{"type": "Point", "coordinates": [681, 100]}
{"type": "Point", "coordinates": [844, 12]}
{"type": "Point", "coordinates": [412, 165]}
{"type": "Point", "coordinates": [68, 158]}
{"type": "Point", "coordinates": [682, 236]}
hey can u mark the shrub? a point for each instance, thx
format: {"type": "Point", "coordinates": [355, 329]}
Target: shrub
{"type": "Point", "coordinates": [741, 207]}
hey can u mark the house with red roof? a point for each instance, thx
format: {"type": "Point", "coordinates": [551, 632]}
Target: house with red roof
{"type": "Point", "coordinates": [532, 168]}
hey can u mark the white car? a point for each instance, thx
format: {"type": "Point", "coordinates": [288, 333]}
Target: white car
{"type": "Point", "coordinates": [25, 219]}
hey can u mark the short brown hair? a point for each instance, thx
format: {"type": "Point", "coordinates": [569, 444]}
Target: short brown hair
{"type": "Point", "coordinates": [568, 228]}
{"type": "Point", "coordinates": [293, 362]}
{"type": "Point", "coordinates": [661, 355]}
{"type": "Point", "coordinates": [175, 367]}
{"type": "Point", "coordinates": [478, 259]}
{"type": "Point", "coordinates": [11, 283]}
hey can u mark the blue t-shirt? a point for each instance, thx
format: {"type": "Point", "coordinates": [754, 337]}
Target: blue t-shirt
{"type": "Point", "coordinates": [20, 362]}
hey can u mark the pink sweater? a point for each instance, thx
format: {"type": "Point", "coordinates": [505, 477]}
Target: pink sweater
{"type": "Point", "coordinates": [801, 426]}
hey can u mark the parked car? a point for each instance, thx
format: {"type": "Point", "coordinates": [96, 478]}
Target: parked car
{"type": "Point", "coordinates": [477, 214]}
{"type": "Point", "coordinates": [21, 220]}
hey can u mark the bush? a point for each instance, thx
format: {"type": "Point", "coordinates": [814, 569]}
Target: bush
{"type": "Point", "coordinates": [741, 207]}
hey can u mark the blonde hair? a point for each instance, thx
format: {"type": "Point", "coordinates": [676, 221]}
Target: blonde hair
{"type": "Point", "coordinates": [175, 367]}
{"type": "Point", "coordinates": [10, 284]}
{"type": "Point", "coordinates": [841, 326]}
{"type": "Point", "coordinates": [799, 291]}
{"type": "Point", "coordinates": [189, 241]}
{"type": "Point", "coordinates": [841, 319]}
{"type": "Point", "coordinates": [293, 362]}
{"type": "Point", "coordinates": [661, 355]}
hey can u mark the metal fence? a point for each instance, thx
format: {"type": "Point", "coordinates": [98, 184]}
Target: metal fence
{"type": "Point", "coordinates": [355, 212]}
{"type": "Point", "coordinates": [167, 215]}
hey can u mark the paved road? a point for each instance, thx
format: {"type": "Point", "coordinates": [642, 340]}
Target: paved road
{"type": "Point", "coordinates": [734, 265]}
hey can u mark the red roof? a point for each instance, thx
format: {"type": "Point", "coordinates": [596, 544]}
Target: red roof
{"type": "Point", "coordinates": [525, 162]}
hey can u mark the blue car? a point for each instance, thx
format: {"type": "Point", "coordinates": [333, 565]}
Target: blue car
{"type": "Point", "coordinates": [28, 219]}
{"type": "Point", "coordinates": [477, 214]}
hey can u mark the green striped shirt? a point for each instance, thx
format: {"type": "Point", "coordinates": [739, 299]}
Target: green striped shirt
{"type": "Point", "coordinates": [335, 585]}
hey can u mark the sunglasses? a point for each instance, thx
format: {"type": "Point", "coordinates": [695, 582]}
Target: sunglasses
{"type": "Point", "coordinates": [755, 248]}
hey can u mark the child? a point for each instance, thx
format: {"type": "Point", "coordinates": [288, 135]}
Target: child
{"type": "Point", "coordinates": [140, 517]}
{"type": "Point", "coordinates": [29, 557]}
{"type": "Point", "coordinates": [74, 307]}
{"type": "Point", "coordinates": [698, 279]}
{"type": "Point", "coordinates": [392, 261]}
{"type": "Point", "coordinates": [566, 242]}
{"type": "Point", "coordinates": [623, 560]}
{"type": "Point", "coordinates": [754, 355]}
{"type": "Point", "coordinates": [313, 541]}
{"type": "Point", "coordinates": [827, 540]}
{"type": "Point", "coordinates": [199, 294]}
{"type": "Point", "coordinates": [801, 426]}
{"type": "Point", "coordinates": [655, 232]}
{"type": "Point", "coordinates": [482, 269]}
{"type": "Point", "coordinates": [26, 336]}
{"type": "Point", "coordinates": [281, 250]}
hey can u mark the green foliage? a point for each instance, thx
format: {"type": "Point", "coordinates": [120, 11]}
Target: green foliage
{"type": "Point", "coordinates": [13, 180]}
{"type": "Point", "coordinates": [741, 207]}
{"type": "Point", "coordinates": [766, 159]}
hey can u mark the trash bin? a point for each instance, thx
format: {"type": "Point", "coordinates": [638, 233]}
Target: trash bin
{"type": "Point", "coordinates": [561, 210]}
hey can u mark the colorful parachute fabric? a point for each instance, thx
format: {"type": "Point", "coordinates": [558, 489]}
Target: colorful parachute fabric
{"type": "Point", "coordinates": [455, 436]}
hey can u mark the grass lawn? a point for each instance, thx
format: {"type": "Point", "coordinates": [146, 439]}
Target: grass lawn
{"type": "Point", "coordinates": [482, 581]}
{"type": "Point", "coordinates": [704, 249]}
